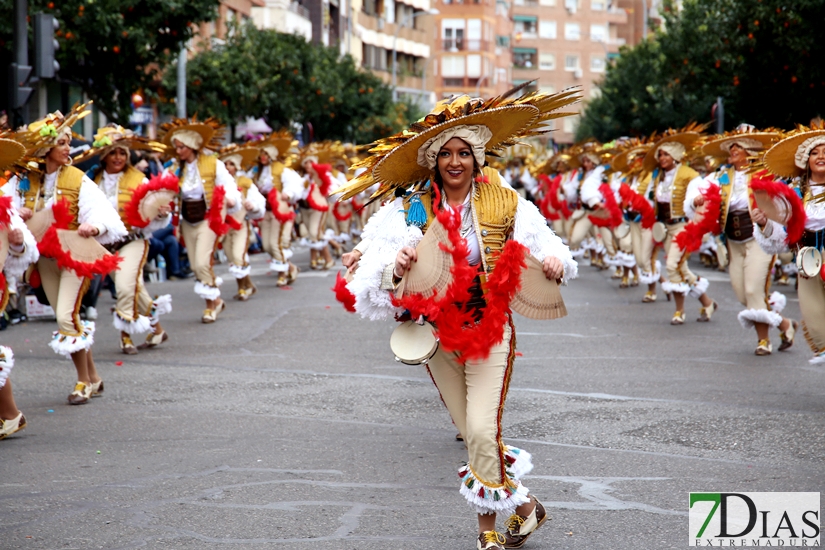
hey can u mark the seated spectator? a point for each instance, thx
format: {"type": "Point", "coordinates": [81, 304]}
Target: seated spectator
{"type": "Point", "coordinates": [164, 242]}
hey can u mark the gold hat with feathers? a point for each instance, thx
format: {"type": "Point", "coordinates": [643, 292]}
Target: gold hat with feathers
{"type": "Point", "coordinates": [784, 158]}
{"type": "Point", "coordinates": [248, 155]}
{"type": "Point", "coordinates": [394, 160]}
{"type": "Point", "coordinates": [41, 136]}
{"type": "Point", "coordinates": [211, 131]}
{"type": "Point", "coordinates": [114, 136]}
{"type": "Point", "coordinates": [758, 140]}
{"type": "Point", "coordinates": [11, 152]}
{"type": "Point", "coordinates": [687, 137]}
{"type": "Point", "coordinates": [631, 148]}
{"type": "Point", "coordinates": [282, 140]}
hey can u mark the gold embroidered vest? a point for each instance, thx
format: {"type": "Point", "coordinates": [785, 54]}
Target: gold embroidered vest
{"type": "Point", "coordinates": [129, 181]}
{"type": "Point", "coordinates": [684, 175]}
{"type": "Point", "coordinates": [276, 169]}
{"type": "Point", "coordinates": [494, 216]}
{"type": "Point", "coordinates": [67, 188]}
{"type": "Point", "coordinates": [644, 183]}
{"type": "Point", "coordinates": [726, 190]}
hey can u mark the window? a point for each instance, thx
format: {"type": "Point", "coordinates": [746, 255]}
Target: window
{"type": "Point", "coordinates": [547, 29]}
{"type": "Point", "coordinates": [524, 58]}
{"type": "Point", "coordinates": [452, 66]}
{"type": "Point", "coordinates": [473, 35]}
{"type": "Point", "coordinates": [571, 62]}
{"type": "Point", "coordinates": [452, 32]}
{"type": "Point", "coordinates": [547, 62]}
{"type": "Point", "coordinates": [598, 33]}
{"type": "Point", "coordinates": [503, 41]}
{"type": "Point", "coordinates": [572, 31]}
{"type": "Point", "coordinates": [597, 5]}
{"type": "Point", "coordinates": [547, 2]}
{"type": "Point", "coordinates": [597, 63]}
{"type": "Point", "coordinates": [526, 25]}
{"type": "Point", "coordinates": [570, 124]}
{"type": "Point", "coordinates": [474, 66]}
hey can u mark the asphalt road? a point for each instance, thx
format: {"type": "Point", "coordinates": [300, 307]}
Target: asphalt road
{"type": "Point", "coordinates": [287, 424]}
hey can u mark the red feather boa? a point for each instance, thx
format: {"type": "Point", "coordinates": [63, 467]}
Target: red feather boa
{"type": "Point", "coordinates": [214, 214]}
{"type": "Point", "coordinates": [544, 204]}
{"type": "Point", "coordinates": [556, 203]}
{"type": "Point", "coordinates": [343, 294]}
{"type": "Point", "coordinates": [338, 215]}
{"type": "Point", "coordinates": [273, 200]}
{"type": "Point", "coordinates": [4, 292]}
{"type": "Point", "coordinates": [612, 208]}
{"type": "Point", "coordinates": [637, 203]}
{"type": "Point", "coordinates": [455, 327]}
{"type": "Point", "coordinates": [5, 211]}
{"type": "Point", "coordinates": [324, 172]}
{"type": "Point", "coordinates": [762, 181]}
{"type": "Point", "coordinates": [314, 205]}
{"type": "Point", "coordinates": [233, 224]}
{"type": "Point", "coordinates": [50, 247]}
{"type": "Point", "coordinates": [156, 183]}
{"type": "Point", "coordinates": [690, 238]}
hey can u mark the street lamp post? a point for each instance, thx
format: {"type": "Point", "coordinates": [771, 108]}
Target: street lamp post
{"type": "Point", "coordinates": [398, 26]}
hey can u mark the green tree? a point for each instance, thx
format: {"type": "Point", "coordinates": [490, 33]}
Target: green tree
{"type": "Point", "coordinates": [284, 79]}
{"type": "Point", "coordinates": [113, 48]}
{"type": "Point", "coordinates": [760, 56]}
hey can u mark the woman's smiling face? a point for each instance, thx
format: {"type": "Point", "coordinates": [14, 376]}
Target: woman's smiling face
{"type": "Point", "coordinates": [456, 163]}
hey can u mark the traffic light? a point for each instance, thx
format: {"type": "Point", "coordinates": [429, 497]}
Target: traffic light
{"type": "Point", "coordinates": [19, 92]}
{"type": "Point", "coordinates": [45, 45]}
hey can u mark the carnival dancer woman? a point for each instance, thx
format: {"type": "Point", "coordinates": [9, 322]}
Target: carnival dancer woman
{"type": "Point", "coordinates": [318, 185]}
{"type": "Point", "coordinates": [253, 204]}
{"type": "Point", "coordinates": [282, 187]}
{"type": "Point", "coordinates": [206, 188]}
{"type": "Point", "coordinates": [73, 198]}
{"type": "Point", "coordinates": [136, 312]}
{"type": "Point", "coordinates": [801, 154]}
{"type": "Point", "coordinates": [668, 188]}
{"type": "Point", "coordinates": [749, 266]}
{"type": "Point", "coordinates": [22, 251]}
{"type": "Point", "coordinates": [448, 148]}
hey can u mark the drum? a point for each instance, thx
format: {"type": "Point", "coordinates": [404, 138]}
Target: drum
{"type": "Point", "coordinates": [809, 262]}
{"type": "Point", "coordinates": [413, 344]}
{"type": "Point", "coordinates": [622, 231]}
{"type": "Point", "coordinates": [659, 232]}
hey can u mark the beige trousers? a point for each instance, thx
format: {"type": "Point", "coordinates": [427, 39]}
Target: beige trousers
{"type": "Point", "coordinates": [750, 273]}
{"type": "Point", "coordinates": [578, 232]}
{"type": "Point", "coordinates": [474, 395]}
{"type": "Point", "coordinates": [812, 305]}
{"type": "Point", "coordinates": [65, 292]}
{"type": "Point", "coordinates": [608, 239]}
{"type": "Point", "coordinates": [677, 268]}
{"type": "Point", "coordinates": [558, 227]}
{"type": "Point", "coordinates": [642, 246]}
{"type": "Point", "coordinates": [276, 236]}
{"type": "Point", "coordinates": [315, 221]}
{"type": "Point", "coordinates": [201, 243]}
{"type": "Point", "coordinates": [236, 243]}
{"type": "Point", "coordinates": [342, 227]}
{"type": "Point", "coordinates": [132, 298]}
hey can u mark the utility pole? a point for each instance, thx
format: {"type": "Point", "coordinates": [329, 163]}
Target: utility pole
{"type": "Point", "coordinates": [181, 99]}
{"type": "Point", "coordinates": [720, 115]}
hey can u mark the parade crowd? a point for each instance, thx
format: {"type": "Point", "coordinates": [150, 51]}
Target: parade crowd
{"type": "Point", "coordinates": [750, 202]}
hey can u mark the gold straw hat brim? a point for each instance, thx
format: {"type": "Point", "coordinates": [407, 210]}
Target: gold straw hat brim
{"type": "Point", "coordinates": [687, 139]}
{"type": "Point", "coordinates": [10, 152]}
{"type": "Point", "coordinates": [621, 162]}
{"type": "Point", "coordinates": [780, 158]}
{"type": "Point", "coordinates": [249, 155]}
{"type": "Point", "coordinates": [714, 148]}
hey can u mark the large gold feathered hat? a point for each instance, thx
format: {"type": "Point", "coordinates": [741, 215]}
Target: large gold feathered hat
{"type": "Point", "coordinates": [746, 136]}
{"type": "Point", "coordinates": [115, 136]}
{"type": "Point", "coordinates": [789, 157]}
{"type": "Point", "coordinates": [41, 136]}
{"type": "Point", "coordinates": [242, 156]}
{"type": "Point", "coordinates": [276, 145]}
{"type": "Point", "coordinates": [629, 150]}
{"type": "Point", "coordinates": [203, 134]}
{"type": "Point", "coordinates": [681, 138]}
{"type": "Point", "coordinates": [11, 151]}
{"type": "Point", "coordinates": [395, 161]}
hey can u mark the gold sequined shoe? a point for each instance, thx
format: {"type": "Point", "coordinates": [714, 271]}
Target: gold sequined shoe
{"type": "Point", "coordinates": [97, 388]}
{"type": "Point", "coordinates": [154, 340]}
{"type": "Point", "coordinates": [625, 283]}
{"type": "Point", "coordinates": [650, 297]}
{"type": "Point", "coordinates": [705, 313]}
{"type": "Point", "coordinates": [788, 336]}
{"type": "Point", "coordinates": [81, 394]}
{"type": "Point", "coordinates": [678, 318]}
{"type": "Point", "coordinates": [126, 346]}
{"type": "Point", "coordinates": [282, 281]}
{"type": "Point", "coordinates": [8, 427]}
{"type": "Point", "coordinates": [763, 348]}
{"type": "Point", "coordinates": [618, 274]}
{"type": "Point", "coordinates": [490, 540]}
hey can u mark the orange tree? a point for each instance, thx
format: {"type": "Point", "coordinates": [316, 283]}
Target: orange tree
{"type": "Point", "coordinates": [761, 56]}
{"type": "Point", "coordinates": [113, 48]}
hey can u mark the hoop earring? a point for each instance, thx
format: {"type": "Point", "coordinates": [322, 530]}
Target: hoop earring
{"type": "Point", "coordinates": [71, 161]}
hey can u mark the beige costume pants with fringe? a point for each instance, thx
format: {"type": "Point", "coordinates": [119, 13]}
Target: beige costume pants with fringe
{"type": "Point", "coordinates": [236, 242]}
{"type": "Point", "coordinates": [812, 305]}
{"type": "Point", "coordinates": [201, 243]}
{"type": "Point", "coordinates": [315, 221]}
{"type": "Point", "coordinates": [276, 236]}
{"type": "Point", "coordinates": [642, 246]}
{"type": "Point", "coordinates": [677, 266]}
{"type": "Point", "coordinates": [474, 394]}
{"type": "Point", "coordinates": [65, 291]}
{"type": "Point", "coordinates": [132, 297]}
{"type": "Point", "coordinates": [750, 272]}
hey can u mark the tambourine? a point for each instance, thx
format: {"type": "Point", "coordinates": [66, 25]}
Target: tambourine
{"type": "Point", "coordinates": [622, 230]}
{"type": "Point", "coordinates": [809, 262]}
{"type": "Point", "coordinates": [659, 232]}
{"type": "Point", "coordinates": [413, 344]}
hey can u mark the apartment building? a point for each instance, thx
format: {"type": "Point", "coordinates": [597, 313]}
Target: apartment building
{"type": "Point", "coordinates": [472, 53]}
{"type": "Point", "coordinates": [288, 16]}
{"type": "Point", "coordinates": [564, 43]}
{"type": "Point", "coordinates": [229, 11]}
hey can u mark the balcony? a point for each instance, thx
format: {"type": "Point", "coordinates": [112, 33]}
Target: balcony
{"type": "Point", "coordinates": [464, 45]}
{"type": "Point", "coordinates": [297, 8]}
{"type": "Point", "coordinates": [465, 83]}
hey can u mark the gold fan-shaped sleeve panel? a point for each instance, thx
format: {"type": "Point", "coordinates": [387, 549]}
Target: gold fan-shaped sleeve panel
{"type": "Point", "coordinates": [495, 210]}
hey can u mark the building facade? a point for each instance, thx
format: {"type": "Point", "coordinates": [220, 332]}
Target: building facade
{"type": "Point", "coordinates": [472, 54]}
{"type": "Point", "coordinates": [288, 16]}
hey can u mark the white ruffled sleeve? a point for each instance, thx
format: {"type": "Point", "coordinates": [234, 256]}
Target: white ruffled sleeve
{"type": "Point", "coordinates": [371, 301]}
{"type": "Point", "coordinates": [590, 193]}
{"type": "Point", "coordinates": [94, 208]}
{"type": "Point", "coordinates": [225, 180]}
{"type": "Point", "coordinates": [694, 189]}
{"type": "Point", "coordinates": [532, 231]}
{"type": "Point", "coordinates": [258, 201]}
{"type": "Point", "coordinates": [292, 185]}
{"type": "Point", "coordinates": [18, 261]}
{"type": "Point", "coordinates": [10, 190]}
{"type": "Point", "coordinates": [771, 238]}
